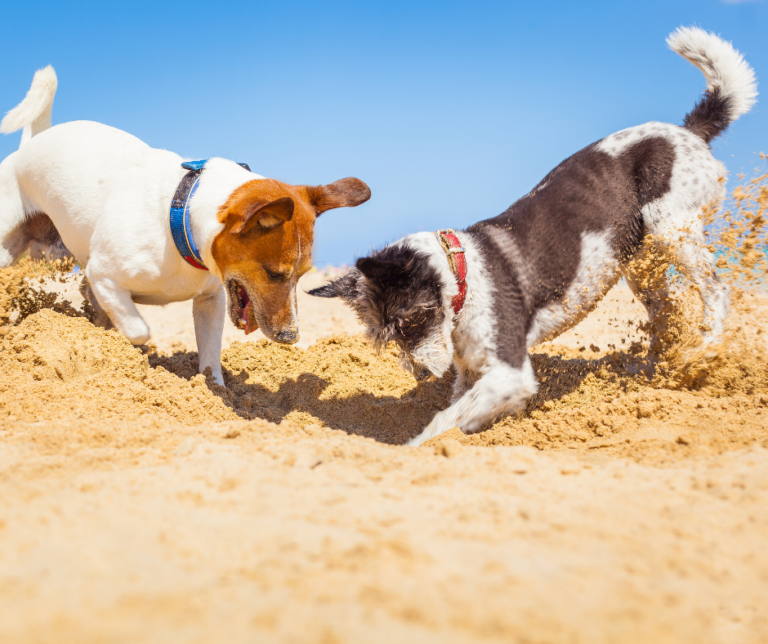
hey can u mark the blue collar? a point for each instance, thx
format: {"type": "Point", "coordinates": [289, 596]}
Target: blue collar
{"type": "Point", "coordinates": [181, 229]}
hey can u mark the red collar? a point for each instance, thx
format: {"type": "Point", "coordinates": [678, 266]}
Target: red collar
{"type": "Point", "coordinates": [458, 263]}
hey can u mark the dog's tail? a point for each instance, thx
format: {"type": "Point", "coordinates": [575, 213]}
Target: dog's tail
{"type": "Point", "coordinates": [34, 112]}
{"type": "Point", "coordinates": [731, 86]}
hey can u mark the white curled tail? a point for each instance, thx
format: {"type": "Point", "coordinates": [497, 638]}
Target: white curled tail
{"type": "Point", "coordinates": [731, 86]}
{"type": "Point", "coordinates": [34, 112]}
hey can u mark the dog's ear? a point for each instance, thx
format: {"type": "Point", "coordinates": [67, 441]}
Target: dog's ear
{"type": "Point", "coordinates": [392, 273]}
{"type": "Point", "coordinates": [373, 269]}
{"type": "Point", "coordinates": [343, 193]}
{"type": "Point", "coordinates": [345, 287]}
{"type": "Point", "coordinates": [267, 215]}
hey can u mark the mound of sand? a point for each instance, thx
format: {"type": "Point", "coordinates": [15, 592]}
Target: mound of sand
{"type": "Point", "coordinates": [59, 367]}
{"type": "Point", "coordinates": [56, 367]}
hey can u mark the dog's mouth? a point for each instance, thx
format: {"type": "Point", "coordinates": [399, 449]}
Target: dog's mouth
{"type": "Point", "coordinates": [240, 308]}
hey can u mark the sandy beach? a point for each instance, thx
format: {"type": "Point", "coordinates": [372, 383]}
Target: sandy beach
{"type": "Point", "coordinates": [140, 503]}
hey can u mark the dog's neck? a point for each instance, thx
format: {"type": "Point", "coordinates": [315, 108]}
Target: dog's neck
{"type": "Point", "coordinates": [457, 262]}
{"type": "Point", "coordinates": [217, 182]}
{"type": "Point", "coordinates": [428, 244]}
{"type": "Point", "coordinates": [471, 332]}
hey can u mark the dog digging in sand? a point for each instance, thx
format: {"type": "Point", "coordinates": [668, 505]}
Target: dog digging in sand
{"type": "Point", "coordinates": [482, 297]}
{"type": "Point", "coordinates": [150, 228]}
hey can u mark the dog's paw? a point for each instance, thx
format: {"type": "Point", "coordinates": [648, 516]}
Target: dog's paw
{"type": "Point", "coordinates": [417, 440]}
{"type": "Point", "coordinates": [429, 433]}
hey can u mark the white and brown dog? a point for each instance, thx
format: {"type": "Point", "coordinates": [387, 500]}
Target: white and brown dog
{"type": "Point", "coordinates": [151, 229]}
{"type": "Point", "coordinates": [538, 268]}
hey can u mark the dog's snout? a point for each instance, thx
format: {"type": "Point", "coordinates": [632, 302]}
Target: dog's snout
{"type": "Point", "coordinates": [290, 336]}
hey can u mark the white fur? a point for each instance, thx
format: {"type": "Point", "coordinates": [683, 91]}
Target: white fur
{"type": "Point", "coordinates": [475, 330]}
{"type": "Point", "coordinates": [597, 273]}
{"type": "Point", "coordinates": [618, 142]}
{"type": "Point", "coordinates": [11, 211]}
{"type": "Point", "coordinates": [109, 194]}
{"type": "Point", "coordinates": [428, 244]}
{"type": "Point", "coordinates": [221, 179]}
{"type": "Point", "coordinates": [675, 222]}
{"type": "Point", "coordinates": [501, 388]}
{"type": "Point", "coordinates": [34, 112]}
{"type": "Point", "coordinates": [435, 353]}
{"type": "Point", "coordinates": [722, 66]}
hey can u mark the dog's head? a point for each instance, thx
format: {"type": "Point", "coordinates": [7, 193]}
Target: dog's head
{"type": "Point", "coordinates": [397, 295]}
{"type": "Point", "coordinates": [266, 246]}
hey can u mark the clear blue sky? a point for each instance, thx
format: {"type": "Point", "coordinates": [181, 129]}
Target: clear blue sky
{"type": "Point", "coordinates": [449, 111]}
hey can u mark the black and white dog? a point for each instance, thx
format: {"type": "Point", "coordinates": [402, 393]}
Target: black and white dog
{"type": "Point", "coordinates": [538, 268]}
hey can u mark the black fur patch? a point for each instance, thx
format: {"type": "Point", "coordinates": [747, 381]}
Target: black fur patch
{"type": "Point", "coordinates": [591, 191]}
{"type": "Point", "coordinates": [710, 117]}
{"type": "Point", "coordinates": [396, 294]}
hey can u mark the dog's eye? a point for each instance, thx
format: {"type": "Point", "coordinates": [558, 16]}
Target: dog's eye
{"type": "Point", "coordinates": [277, 276]}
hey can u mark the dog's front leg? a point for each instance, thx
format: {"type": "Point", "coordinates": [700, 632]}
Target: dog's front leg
{"type": "Point", "coordinates": [460, 385]}
{"type": "Point", "coordinates": [118, 305]}
{"type": "Point", "coordinates": [98, 315]}
{"type": "Point", "coordinates": [500, 389]}
{"type": "Point", "coordinates": [208, 311]}
{"type": "Point", "coordinates": [465, 378]}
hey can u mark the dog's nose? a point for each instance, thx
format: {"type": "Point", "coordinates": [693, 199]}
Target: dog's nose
{"type": "Point", "coordinates": [287, 337]}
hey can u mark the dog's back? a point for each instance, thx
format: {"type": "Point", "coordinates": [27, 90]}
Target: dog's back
{"type": "Point", "coordinates": [73, 171]}
{"type": "Point", "coordinates": [557, 250]}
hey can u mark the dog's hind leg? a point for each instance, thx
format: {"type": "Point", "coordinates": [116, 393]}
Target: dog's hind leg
{"type": "Point", "coordinates": [500, 389]}
{"type": "Point", "coordinates": [646, 275]}
{"type": "Point", "coordinates": [697, 263]}
{"type": "Point", "coordinates": [686, 247]}
{"type": "Point", "coordinates": [14, 236]}
{"type": "Point", "coordinates": [19, 228]}
{"type": "Point", "coordinates": [13, 243]}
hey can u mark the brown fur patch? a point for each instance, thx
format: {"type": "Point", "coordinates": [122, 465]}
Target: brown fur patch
{"type": "Point", "coordinates": [251, 254]}
{"type": "Point", "coordinates": [266, 244]}
{"type": "Point", "coordinates": [342, 193]}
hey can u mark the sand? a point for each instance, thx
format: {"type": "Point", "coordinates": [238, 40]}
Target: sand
{"type": "Point", "coordinates": [137, 504]}
{"type": "Point", "coordinates": [141, 502]}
